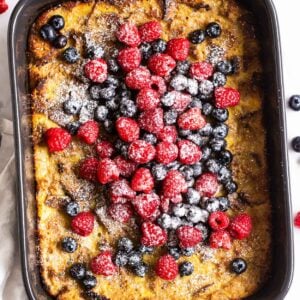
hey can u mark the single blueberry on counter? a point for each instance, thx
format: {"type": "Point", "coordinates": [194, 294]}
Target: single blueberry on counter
{"type": "Point", "coordinates": [296, 143]}
{"type": "Point", "coordinates": [294, 102]}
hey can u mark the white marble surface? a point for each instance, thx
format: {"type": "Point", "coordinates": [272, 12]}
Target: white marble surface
{"type": "Point", "coordinates": [288, 13]}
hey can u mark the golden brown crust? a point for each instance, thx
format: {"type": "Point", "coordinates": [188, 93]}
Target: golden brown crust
{"type": "Point", "coordinates": [51, 79]}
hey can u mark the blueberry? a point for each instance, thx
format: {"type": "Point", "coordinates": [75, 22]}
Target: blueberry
{"type": "Point", "coordinates": [77, 271]}
{"type": "Point", "coordinates": [71, 55]}
{"type": "Point", "coordinates": [206, 87]}
{"type": "Point", "coordinates": [187, 172]}
{"type": "Point", "coordinates": [231, 187]}
{"type": "Point", "coordinates": [73, 127]}
{"type": "Point", "coordinates": [188, 251]}
{"type": "Point", "coordinates": [219, 79]}
{"type": "Point", "coordinates": [179, 83]}
{"type": "Point", "coordinates": [121, 259]}
{"type": "Point", "coordinates": [175, 223]}
{"type": "Point", "coordinates": [170, 117]}
{"type": "Point", "coordinates": [210, 204]}
{"type": "Point", "coordinates": [94, 91]}
{"type": "Point", "coordinates": [112, 65]}
{"type": "Point", "coordinates": [164, 221]}
{"type": "Point", "coordinates": [128, 108]}
{"type": "Point", "coordinates": [207, 130]}
{"type": "Point", "coordinates": [183, 67]}
{"type": "Point", "coordinates": [125, 244]}
{"type": "Point", "coordinates": [224, 174]}
{"type": "Point", "coordinates": [141, 270]}
{"type": "Point", "coordinates": [168, 99]}
{"type": "Point", "coordinates": [207, 109]}
{"type": "Point", "coordinates": [134, 258]}
{"type": "Point", "coordinates": [192, 196]}
{"type": "Point", "coordinates": [150, 138]}
{"type": "Point", "coordinates": [60, 42]}
{"type": "Point", "coordinates": [72, 209]}
{"type": "Point", "coordinates": [145, 249]}
{"type": "Point", "coordinates": [107, 93]}
{"type": "Point", "coordinates": [57, 22]}
{"type": "Point", "coordinates": [296, 144]}
{"type": "Point", "coordinates": [174, 165]}
{"type": "Point", "coordinates": [112, 81]}
{"type": "Point", "coordinates": [72, 106]}
{"type": "Point", "coordinates": [197, 36]}
{"type": "Point", "coordinates": [159, 46]}
{"type": "Point", "coordinates": [225, 67]}
{"type": "Point", "coordinates": [224, 203]}
{"type": "Point", "coordinates": [294, 102]}
{"type": "Point", "coordinates": [203, 229]}
{"type": "Point", "coordinates": [197, 169]}
{"type": "Point", "coordinates": [184, 132]}
{"type": "Point", "coordinates": [94, 52]}
{"type": "Point", "coordinates": [238, 266]}
{"type": "Point", "coordinates": [196, 138]}
{"type": "Point", "coordinates": [196, 214]}
{"type": "Point", "coordinates": [220, 131]}
{"type": "Point", "coordinates": [186, 268]}
{"type": "Point", "coordinates": [213, 30]}
{"type": "Point", "coordinates": [48, 33]}
{"type": "Point", "coordinates": [69, 245]}
{"type": "Point", "coordinates": [206, 152]}
{"type": "Point", "coordinates": [108, 126]}
{"type": "Point", "coordinates": [192, 86]}
{"type": "Point", "coordinates": [146, 50]}
{"type": "Point", "coordinates": [180, 209]}
{"type": "Point", "coordinates": [225, 157]}
{"type": "Point", "coordinates": [112, 104]}
{"type": "Point", "coordinates": [89, 282]}
{"type": "Point", "coordinates": [175, 252]}
{"type": "Point", "coordinates": [159, 172]}
{"type": "Point", "coordinates": [220, 114]}
{"type": "Point", "coordinates": [196, 103]}
{"type": "Point", "coordinates": [213, 166]}
{"type": "Point", "coordinates": [101, 113]}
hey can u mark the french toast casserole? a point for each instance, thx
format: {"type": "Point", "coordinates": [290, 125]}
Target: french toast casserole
{"type": "Point", "coordinates": [149, 150]}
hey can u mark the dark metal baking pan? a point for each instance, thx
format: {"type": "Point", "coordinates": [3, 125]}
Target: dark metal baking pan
{"type": "Point", "coordinates": [278, 284]}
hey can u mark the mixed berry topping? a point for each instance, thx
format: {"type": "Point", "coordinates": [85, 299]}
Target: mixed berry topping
{"type": "Point", "coordinates": [157, 135]}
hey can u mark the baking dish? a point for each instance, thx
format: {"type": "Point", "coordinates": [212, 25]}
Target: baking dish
{"type": "Point", "coordinates": [23, 16]}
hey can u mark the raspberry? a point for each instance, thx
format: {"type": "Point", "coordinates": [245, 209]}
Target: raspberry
{"type": "Point", "coordinates": [126, 167]}
{"type": "Point", "coordinates": [128, 129]}
{"type": "Point", "coordinates": [121, 188]}
{"type": "Point", "coordinates": [105, 149]}
{"type": "Point", "coordinates": [138, 78]}
{"type": "Point", "coordinates": [153, 235]}
{"type": "Point", "coordinates": [164, 204]}
{"type": "Point", "coordinates": [241, 226]}
{"type": "Point", "coordinates": [207, 184]}
{"type": "Point", "coordinates": [146, 204]}
{"type": "Point", "coordinates": [226, 97]}
{"type": "Point", "coordinates": [166, 267]}
{"type": "Point", "coordinates": [102, 264]}
{"type": "Point", "coordinates": [129, 58]}
{"type": "Point", "coordinates": [152, 120]}
{"type": "Point", "coordinates": [150, 31]}
{"type": "Point", "coordinates": [174, 184]}
{"type": "Point", "coordinates": [107, 171]}
{"type": "Point", "coordinates": [192, 119]}
{"type": "Point", "coordinates": [220, 239]}
{"type": "Point", "coordinates": [147, 99]}
{"type": "Point", "coordinates": [158, 84]}
{"type": "Point", "coordinates": [168, 134]}
{"type": "Point", "coordinates": [120, 212]}
{"type": "Point", "coordinates": [57, 139]}
{"type": "Point", "coordinates": [188, 236]}
{"type": "Point", "coordinates": [3, 7]}
{"type": "Point", "coordinates": [96, 70]}
{"type": "Point", "coordinates": [201, 70]}
{"type": "Point", "coordinates": [178, 48]}
{"type": "Point", "coordinates": [189, 153]}
{"type": "Point", "coordinates": [161, 64]}
{"type": "Point", "coordinates": [166, 152]}
{"type": "Point", "coordinates": [128, 34]}
{"type": "Point", "coordinates": [83, 223]}
{"type": "Point", "coordinates": [297, 220]}
{"type": "Point", "coordinates": [142, 181]}
{"type": "Point", "coordinates": [182, 101]}
{"type": "Point", "coordinates": [155, 215]}
{"type": "Point", "coordinates": [89, 168]}
{"type": "Point", "coordinates": [88, 132]}
{"type": "Point", "coordinates": [141, 152]}
{"type": "Point", "coordinates": [218, 220]}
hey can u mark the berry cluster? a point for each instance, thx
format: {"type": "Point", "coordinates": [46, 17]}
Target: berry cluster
{"type": "Point", "coordinates": [169, 158]}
